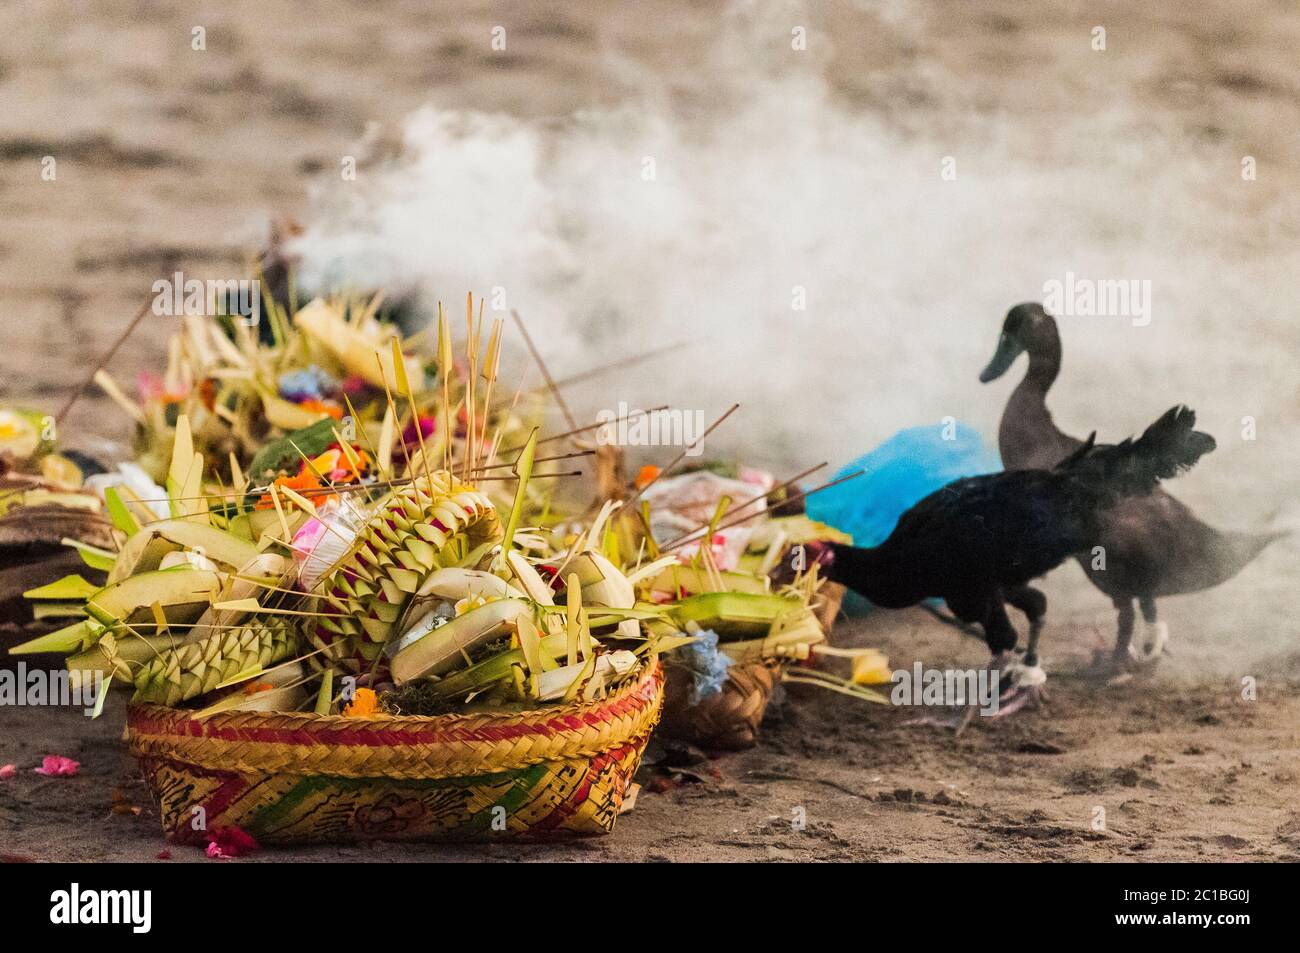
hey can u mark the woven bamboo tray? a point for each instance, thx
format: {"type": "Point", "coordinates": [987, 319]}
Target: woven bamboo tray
{"type": "Point", "coordinates": [727, 721]}
{"type": "Point", "coordinates": [291, 777]}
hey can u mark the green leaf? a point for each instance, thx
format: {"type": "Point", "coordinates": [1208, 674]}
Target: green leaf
{"type": "Point", "coordinates": [182, 589]}
{"type": "Point", "coordinates": [118, 513]}
{"type": "Point", "coordinates": [218, 544]}
{"type": "Point", "coordinates": [605, 616]}
{"type": "Point", "coordinates": [491, 670]}
{"type": "Point", "coordinates": [69, 587]}
{"type": "Point", "coordinates": [100, 697]}
{"type": "Point", "coordinates": [523, 470]}
{"type": "Point", "coordinates": [93, 556]}
{"type": "Point", "coordinates": [280, 454]}
{"type": "Point", "coordinates": [733, 614]}
{"type": "Point", "coordinates": [65, 640]}
{"type": "Point", "coordinates": [325, 698]}
{"type": "Point", "coordinates": [58, 610]}
{"type": "Point", "coordinates": [238, 677]}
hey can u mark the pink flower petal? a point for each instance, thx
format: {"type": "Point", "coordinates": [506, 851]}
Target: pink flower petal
{"type": "Point", "coordinates": [57, 766]}
{"type": "Point", "coordinates": [308, 535]}
{"type": "Point", "coordinates": [7, 771]}
{"type": "Point", "coordinates": [232, 841]}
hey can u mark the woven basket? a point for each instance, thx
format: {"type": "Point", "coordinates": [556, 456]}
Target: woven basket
{"type": "Point", "coordinates": [290, 777]}
{"type": "Point", "coordinates": [727, 721]}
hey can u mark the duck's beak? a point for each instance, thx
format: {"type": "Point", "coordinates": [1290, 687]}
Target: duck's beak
{"type": "Point", "coordinates": [1008, 350]}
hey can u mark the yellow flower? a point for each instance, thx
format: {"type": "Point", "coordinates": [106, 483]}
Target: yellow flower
{"type": "Point", "coordinates": [364, 703]}
{"type": "Point", "coordinates": [871, 668]}
{"type": "Point", "coordinates": [59, 469]}
{"type": "Point", "coordinates": [471, 601]}
{"type": "Point", "coordinates": [18, 434]}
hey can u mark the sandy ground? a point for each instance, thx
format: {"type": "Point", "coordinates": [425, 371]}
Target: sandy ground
{"type": "Point", "coordinates": [169, 158]}
{"type": "Point", "coordinates": [1175, 771]}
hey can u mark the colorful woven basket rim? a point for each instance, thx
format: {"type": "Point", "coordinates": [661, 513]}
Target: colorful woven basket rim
{"type": "Point", "coordinates": [405, 746]}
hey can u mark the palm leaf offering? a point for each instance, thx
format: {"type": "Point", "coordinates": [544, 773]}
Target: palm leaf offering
{"type": "Point", "coordinates": [42, 503]}
{"type": "Point", "coordinates": [336, 543]}
{"type": "Point", "coordinates": [373, 561]}
{"type": "Point", "coordinates": [252, 391]}
{"type": "Point", "coordinates": [739, 634]}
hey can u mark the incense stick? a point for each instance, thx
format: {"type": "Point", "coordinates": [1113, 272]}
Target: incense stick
{"type": "Point", "coordinates": [630, 361]}
{"type": "Point", "coordinates": [121, 339]}
{"type": "Point", "coordinates": [682, 456]}
{"type": "Point", "coordinates": [597, 425]}
{"type": "Point", "coordinates": [798, 496]}
{"type": "Point", "coordinates": [685, 537]}
{"type": "Point", "coordinates": [359, 487]}
{"type": "Point", "coordinates": [541, 366]}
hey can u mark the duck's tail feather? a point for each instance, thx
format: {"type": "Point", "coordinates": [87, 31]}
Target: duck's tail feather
{"type": "Point", "coordinates": [1167, 448]}
{"type": "Point", "coordinates": [1230, 554]}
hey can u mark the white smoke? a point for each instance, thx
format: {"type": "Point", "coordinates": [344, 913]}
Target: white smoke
{"type": "Point", "coordinates": [774, 169]}
{"type": "Point", "coordinates": [766, 181]}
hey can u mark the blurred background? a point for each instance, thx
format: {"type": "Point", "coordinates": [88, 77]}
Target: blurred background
{"type": "Point", "coordinates": [761, 184]}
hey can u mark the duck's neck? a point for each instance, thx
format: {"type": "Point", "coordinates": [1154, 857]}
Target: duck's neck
{"type": "Point", "coordinates": [1027, 436]}
{"type": "Point", "coordinates": [866, 571]}
{"type": "Point", "coordinates": [1044, 365]}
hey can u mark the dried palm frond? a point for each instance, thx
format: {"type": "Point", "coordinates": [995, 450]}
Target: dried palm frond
{"type": "Point", "coordinates": [429, 524]}
{"type": "Point", "coordinates": [198, 667]}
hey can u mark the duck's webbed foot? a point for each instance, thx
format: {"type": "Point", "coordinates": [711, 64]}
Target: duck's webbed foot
{"type": "Point", "coordinates": [973, 697]}
{"type": "Point", "coordinates": [1116, 669]}
{"type": "Point", "coordinates": [1025, 684]}
{"type": "Point", "coordinates": [1130, 660]}
{"type": "Point", "coordinates": [1153, 644]}
{"type": "Point", "coordinates": [1012, 686]}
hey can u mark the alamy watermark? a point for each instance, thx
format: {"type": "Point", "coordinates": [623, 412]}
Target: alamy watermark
{"type": "Point", "coordinates": [240, 298]}
{"type": "Point", "coordinates": [659, 428]}
{"type": "Point", "coordinates": [20, 687]}
{"type": "Point", "coordinates": [1099, 298]}
{"type": "Point", "coordinates": [947, 688]}
{"type": "Point", "coordinates": [133, 908]}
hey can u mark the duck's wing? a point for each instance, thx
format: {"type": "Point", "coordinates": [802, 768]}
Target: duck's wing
{"type": "Point", "coordinates": [1008, 526]}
